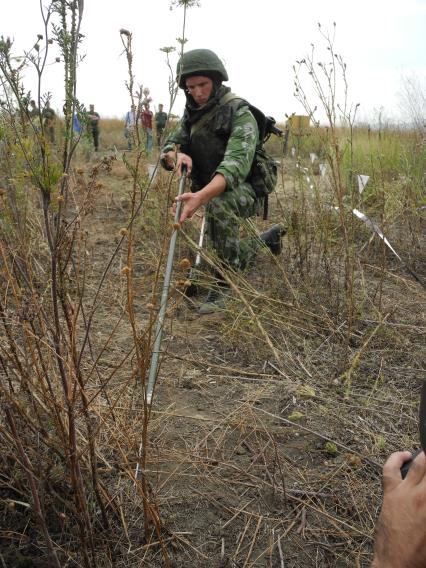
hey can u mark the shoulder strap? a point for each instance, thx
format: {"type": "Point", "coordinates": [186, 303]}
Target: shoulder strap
{"type": "Point", "coordinates": [228, 97]}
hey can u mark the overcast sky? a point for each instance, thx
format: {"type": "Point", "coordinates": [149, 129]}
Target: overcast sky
{"type": "Point", "coordinates": [380, 40]}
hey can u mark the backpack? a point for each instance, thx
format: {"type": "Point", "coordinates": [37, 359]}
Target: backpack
{"type": "Point", "coordinates": [264, 170]}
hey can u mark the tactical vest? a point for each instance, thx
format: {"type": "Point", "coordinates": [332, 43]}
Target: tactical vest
{"type": "Point", "coordinates": [208, 140]}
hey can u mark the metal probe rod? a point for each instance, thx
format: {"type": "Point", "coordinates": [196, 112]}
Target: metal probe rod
{"type": "Point", "coordinates": [164, 297]}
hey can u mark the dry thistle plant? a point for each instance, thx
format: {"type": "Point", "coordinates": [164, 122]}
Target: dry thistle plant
{"type": "Point", "coordinates": [270, 419]}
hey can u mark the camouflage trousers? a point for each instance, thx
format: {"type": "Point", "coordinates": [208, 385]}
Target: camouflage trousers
{"type": "Point", "coordinates": [224, 216]}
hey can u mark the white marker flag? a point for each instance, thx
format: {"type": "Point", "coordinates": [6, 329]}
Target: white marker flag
{"type": "Point", "coordinates": [376, 229]}
{"type": "Point", "coordinates": [293, 151]}
{"type": "Point", "coordinates": [313, 157]}
{"type": "Point", "coordinates": [323, 169]}
{"type": "Point", "coordinates": [362, 182]}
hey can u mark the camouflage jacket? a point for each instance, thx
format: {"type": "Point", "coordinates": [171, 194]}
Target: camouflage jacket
{"type": "Point", "coordinates": [160, 119]}
{"type": "Point", "coordinates": [48, 115]}
{"type": "Point", "coordinates": [225, 142]}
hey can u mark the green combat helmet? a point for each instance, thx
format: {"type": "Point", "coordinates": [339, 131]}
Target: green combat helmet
{"type": "Point", "coordinates": [199, 62]}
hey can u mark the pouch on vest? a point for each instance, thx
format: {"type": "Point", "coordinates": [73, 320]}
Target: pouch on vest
{"type": "Point", "coordinates": [263, 176]}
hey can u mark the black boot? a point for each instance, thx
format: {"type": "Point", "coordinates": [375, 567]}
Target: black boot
{"type": "Point", "coordinates": [272, 238]}
{"type": "Point", "coordinates": [215, 299]}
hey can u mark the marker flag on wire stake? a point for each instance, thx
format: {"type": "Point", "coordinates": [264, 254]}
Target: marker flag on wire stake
{"type": "Point", "coordinates": [313, 157]}
{"type": "Point", "coordinates": [378, 231]}
{"type": "Point", "coordinates": [362, 182]}
{"type": "Point", "coordinates": [322, 169]}
{"type": "Point", "coordinates": [308, 179]}
{"type": "Point", "coordinates": [374, 227]}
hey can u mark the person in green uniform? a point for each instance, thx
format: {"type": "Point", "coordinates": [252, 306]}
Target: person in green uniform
{"type": "Point", "coordinates": [160, 123]}
{"type": "Point", "coordinates": [94, 125]}
{"type": "Point", "coordinates": [217, 141]}
{"type": "Point", "coordinates": [33, 109]}
{"type": "Point", "coordinates": [49, 118]}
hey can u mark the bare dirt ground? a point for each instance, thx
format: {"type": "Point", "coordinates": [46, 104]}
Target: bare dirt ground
{"type": "Point", "coordinates": [270, 420]}
{"type": "Point", "coordinates": [258, 458]}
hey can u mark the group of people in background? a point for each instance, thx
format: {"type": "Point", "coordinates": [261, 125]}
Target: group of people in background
{"type": "Point", "coordinates": [143, 116]}
{"type": "Point", "coordinates": [146, 117]}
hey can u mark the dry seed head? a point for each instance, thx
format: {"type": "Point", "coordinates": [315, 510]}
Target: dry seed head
{"type": "Point", "coordinates": [60, 199]}
{"type": "Point", "coordinates": [99, 185]}
{"type": "Point", "coordinates": [180, 283]}
{"type": "Point", "coordinates": [2, 191]}
{"type": "Point", "coordinates": [57, 59]}
{"type": "Point", "coordinates": [185, 263]}
{"type": "Point", "coordinates": [187, 283]}
{"type": "Point", "coordinates": [125, 270]}
{"type": "Point", "coordinates": [124, 232]}
{"type": "Point", "coordinates": [65, 175]}
{"type": "Point", "coordinates": [150, 306]}
{"type": "Point", "coordinates": [354, 460]}
{"type": "Point", "coordinates": [176, 226]}
{"type": "Point", "coordinates": [80, 171]}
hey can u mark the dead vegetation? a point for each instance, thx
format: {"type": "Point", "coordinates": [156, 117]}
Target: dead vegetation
{"type": "Point", "coordinates": [270, 420]}
{"type": "Point", "coordinates": [269, 425]}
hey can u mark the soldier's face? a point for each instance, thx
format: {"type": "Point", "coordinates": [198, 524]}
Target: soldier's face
{"type": "Point", "coordinates": [200, 88]}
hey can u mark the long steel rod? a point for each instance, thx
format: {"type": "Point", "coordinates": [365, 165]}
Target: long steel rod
{"type": "Point", "coordinates": [152, 376]}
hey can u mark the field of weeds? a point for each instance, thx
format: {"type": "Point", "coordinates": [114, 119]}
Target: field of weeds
{"type": "Point", "coordinates": [270, 420]}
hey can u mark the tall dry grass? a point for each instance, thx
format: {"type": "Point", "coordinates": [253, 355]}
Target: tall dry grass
{"type": "Point", "coordinates": [266, 439]}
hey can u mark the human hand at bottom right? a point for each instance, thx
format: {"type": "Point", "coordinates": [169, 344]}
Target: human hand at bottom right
{"type": "Point", "coordinates": [401, 528]}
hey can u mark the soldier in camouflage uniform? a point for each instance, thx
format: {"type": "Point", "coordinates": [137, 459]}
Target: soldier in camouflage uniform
{"type": "Point", "coordinates": [94, 119]}
{"type": "Point", "coordinates": [49, 117]}
{"type": "Point", "coordinates": [217, 141]}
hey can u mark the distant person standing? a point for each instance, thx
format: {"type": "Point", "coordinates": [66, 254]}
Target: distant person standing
{"type": "Point", "coordinates": [146, 120]}
{"type": "Point", "coordinates": [130, 125]}
{"type": "Point", "coordinates": [160, 122]}
{"type": "Point", "coordinates": [94, 125]}
{"type": "Point", "coordinates": [33, 109]}
{"type": "Point", "coordinates": [49, 117]}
